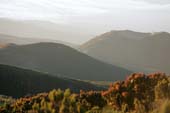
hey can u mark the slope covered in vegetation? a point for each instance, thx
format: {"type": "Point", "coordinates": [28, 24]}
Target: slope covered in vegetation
{"type": "Point", "coordinates": [18, 82]}
{"type": "Point", "coordinates": [58, 59]}
{"type": "Point", "coordinates": [139, 93]}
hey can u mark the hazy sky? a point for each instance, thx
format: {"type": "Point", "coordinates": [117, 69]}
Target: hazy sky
{"type": "Point", "coordinates": [97, 15]}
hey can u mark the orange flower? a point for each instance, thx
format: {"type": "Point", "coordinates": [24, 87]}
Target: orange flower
{"type": "Point", "coordinates": [125, 94]}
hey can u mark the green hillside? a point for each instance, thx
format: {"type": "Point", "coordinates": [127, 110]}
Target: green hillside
{"type": "Point", "coordinates": [61, 60]}
{"type": "Point", "coordinates": [18, 82]}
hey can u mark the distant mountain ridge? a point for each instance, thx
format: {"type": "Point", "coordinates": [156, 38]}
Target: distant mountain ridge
{"type": "Point", "coordinates": [144, 52]}
{"type": "Point", "coordinates": [58, 59]}
{"type": "Point", "coordinates": [43, 30]}
{"type": "Point", "coordinates": [18, 82]}
{"type": "Point", "coordinates": [8, 39]}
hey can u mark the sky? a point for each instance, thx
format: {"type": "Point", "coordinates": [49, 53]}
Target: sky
{"type": "Point", "coordinates": [96, 15]}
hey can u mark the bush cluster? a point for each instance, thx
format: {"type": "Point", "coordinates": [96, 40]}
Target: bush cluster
{"type": "Point", "coordinates": [139, 93]}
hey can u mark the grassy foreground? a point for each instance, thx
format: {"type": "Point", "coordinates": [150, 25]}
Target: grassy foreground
{"type": "Point", "coordinates": [139, 93]}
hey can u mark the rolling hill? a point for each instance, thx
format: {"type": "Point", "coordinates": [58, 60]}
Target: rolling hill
{"type": "Point", "coordinates": [44, 30]}
{"type": "Point", "coordinates": [60, 60]}
{"type": "Point", "coordinates": [19, 82]}
{"type": "Point", "coordinates": [144, 52]}
{"type": "Point", "coordinates": [6, 39]}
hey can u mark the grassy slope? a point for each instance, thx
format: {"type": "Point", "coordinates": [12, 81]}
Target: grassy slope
{"type": "Point", "coordinates": [58, 59]}
{"type": "Point", "coordinates": [18, 82]}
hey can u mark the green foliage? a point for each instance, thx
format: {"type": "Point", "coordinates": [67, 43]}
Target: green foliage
{"type": "Point", "coordinates": [55, 95]}
{"type": "Point", "coordinates": [139, 93]}
{"type": "Point", "coordinates": [110, 109]}
{"type": "Point", "coordinates": [165, 108]}
{"type": "Point", "coordinates": [139, 107]}
{"type": "Point", "coordinates": [67, 93]}
{"type": "Point", "coordinates": [6, 100]}
{"type": "Point", "coordinates": [162, 89]}
{"type": "Point", "coordinates": [95, 109]}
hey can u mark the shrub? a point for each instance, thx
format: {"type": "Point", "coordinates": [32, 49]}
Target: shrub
{"type": "Point", "coordinates": [165, 108]}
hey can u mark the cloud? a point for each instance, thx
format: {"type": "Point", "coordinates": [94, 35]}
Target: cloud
{"type": "Point", "coordinates": [46, 8]}
{"type": "Point", "coordinates": [61, 9]}
{"type": "Point", "coordinates": [139, 14]}
{"type": "Point", "coordinates": [157, 1]}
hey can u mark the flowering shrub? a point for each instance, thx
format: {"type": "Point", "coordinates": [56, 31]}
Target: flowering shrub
{"type": "Point", "coordinates": [138, 93]}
